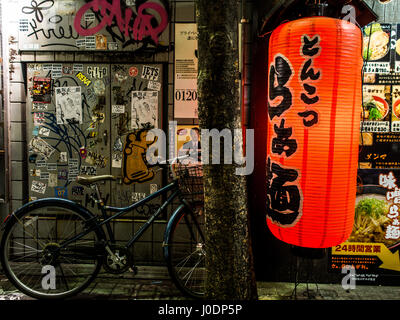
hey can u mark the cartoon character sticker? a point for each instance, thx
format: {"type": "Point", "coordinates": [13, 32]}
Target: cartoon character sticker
{"type": "Point", "coordinates": [135, 167]}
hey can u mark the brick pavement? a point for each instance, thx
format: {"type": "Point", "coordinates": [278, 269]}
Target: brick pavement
{"type": "Point", "coordinates": [153, 283]}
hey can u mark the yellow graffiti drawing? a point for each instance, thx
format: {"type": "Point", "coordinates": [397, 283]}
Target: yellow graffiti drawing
{"type": "Point", "coordinates": [135, 167]}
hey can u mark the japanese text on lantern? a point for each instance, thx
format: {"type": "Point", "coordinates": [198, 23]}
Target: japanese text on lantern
{"type": "Point", "coordinates": [284, 195]}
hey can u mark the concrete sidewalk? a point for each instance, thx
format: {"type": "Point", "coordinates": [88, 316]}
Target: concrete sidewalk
{"type": "Point", "coordinates": [153, 283]}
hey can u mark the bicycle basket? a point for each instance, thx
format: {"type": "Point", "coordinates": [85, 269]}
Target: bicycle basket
{"type": "Point", "coordinates": [190, 181]}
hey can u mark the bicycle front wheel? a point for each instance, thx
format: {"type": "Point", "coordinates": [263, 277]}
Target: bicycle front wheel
{"type": "Point", "coordinates": [185, 252]}
{"type": "Point", "coordinates": [35, 259]}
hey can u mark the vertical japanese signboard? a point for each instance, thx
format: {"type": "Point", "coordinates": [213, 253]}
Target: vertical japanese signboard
{"type": "Point", "coordinates": [186, 64]}
{"type": "Point", "coordinates": [312, 139]}
{"type": "Point", "coordinates": [373, 247]}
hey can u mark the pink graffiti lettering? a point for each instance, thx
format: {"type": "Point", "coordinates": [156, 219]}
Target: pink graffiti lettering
{"type": "Point", "coordinates": [141, 27]}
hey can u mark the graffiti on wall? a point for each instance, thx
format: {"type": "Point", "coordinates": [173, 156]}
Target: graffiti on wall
{"type": "Point", "coordinates": [92, 24]}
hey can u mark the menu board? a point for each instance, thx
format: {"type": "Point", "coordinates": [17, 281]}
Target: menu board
{"type": "Point", "coordinates": [380, 111]}
{"type": "Point", "coordinates": [373, 246]}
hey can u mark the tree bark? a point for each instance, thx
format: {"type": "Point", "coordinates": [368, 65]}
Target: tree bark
{"type": "Point", "coordinates": [229, 258]}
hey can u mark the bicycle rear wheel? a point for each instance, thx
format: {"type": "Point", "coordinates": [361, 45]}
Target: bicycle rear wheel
{"type": "Point", "coordinates": [33, 255]}
{"type": "Point", "coordinates": [185, 252]}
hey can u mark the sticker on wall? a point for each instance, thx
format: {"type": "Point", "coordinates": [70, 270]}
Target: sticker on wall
{"type": "Point", "coordinates": [35, 131]}
{"type": "Point", "coordinates": [47, 67]}
{"type": "Point", "coordinates": [188, 143]}
{"type": "Point", "coordinates": [83, 152]}
{"type": "Point", "coordinates": [88, 170]}
{"type": "Point", "coordinates": [23, 25]}
{"type": "Point", "coordinates": [77, 191]}
{"type": "Point", "coordinates": [134, 167]}
{"type": "Point", "coordinates": [38, 118]}
{"type": "Point", "coordinates": [41, 163]}
{"type": "Point", "coordinates": [32, 158]}
{"type": "Point", "coordinates": [101, 42]}
{"type": "Point", "coordinates": [45, 132]}
{"type": "Point", "coordinates": [63, 174]}
{"type": "Point", "coordinates": [73, 169]}
{"type": "Point", "coordinates": [56, 74]}
{"type": "Point", "coordinates": [84, 79]}
{"type": "Point", "coordinates": [35, 172]}
{"type": "Point", "coordinates": [53, 180]}
{"type": "Point", "coordinates": [80, 43]}
{"type": "Point", "coordinates": [41, 91]}
{"type": "Point", "coordinates": [38, 186]}
{"type": "Point", "coordinates": [150, 73]}
{"type": "Point", "coordinates": [77, 67]}
{"type": "Point", "coordinates": [120, 76]}
{"type": "Point", "coordinates": [96, 159]}
{"type": "Point", "coordinates": [56, 70]}
{"type": "Point", "coordinates": [153, 188]}
{"type": "Point", "coordinates": [112, 46]}
{"type": "Point", "coordinates": [38, 145]}
{"type": "Point", "coordinates": [89, 17]}
{"type": "Point", "coordinates": [133, 71]}
{"type": "Point", "coordinates": [144, 109]}
{"type": "Point", "coordinates": [44, 175]}
{"type": "Point", "coordinates": [98, 117]}
{"type": "Point", "coordinates": [61, 192]}
{"type": "Point", "coordinates": [63, 157]}
{"type": "Point", "coordinates": [68, 105]}
{"type": "Point", "coordinates": [99, 87]}
{"type": "Point", "coordinates": [118, 146]}
{"type": "Point", "coordinates": [91, 99]}
{"type": "Point", "coordinates": [40, 106]}
{"type": "Point", "coordinates": [67, 70]}
{"type": "Point", "coordinates": [65, 7]}
{"type": "Point", "coordinates": [97, 72]}
{"type": "Point", "coordinates": [152, 85]}
{"type": "Point", "coordinates": [52, 166]}
{"type": "Point", "coordinates": [32, 67]}
{"type": "Point", "coordinates": [90, 42]}
{"type": "Point", "coordinates": [117, 160]}
{"type": "Point", "coordinates": [118, 108]}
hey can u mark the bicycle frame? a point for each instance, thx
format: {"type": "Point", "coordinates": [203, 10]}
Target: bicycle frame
{"type": "Point", "coordinates": [123, 210]}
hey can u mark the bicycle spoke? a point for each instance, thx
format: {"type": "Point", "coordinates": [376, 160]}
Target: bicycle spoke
{"type": "Point", "coordinates": [186, 256]}
{"type": "Point", "coordinates": [34, 241]}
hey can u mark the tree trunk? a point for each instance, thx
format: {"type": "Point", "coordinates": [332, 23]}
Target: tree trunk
{"type": "Point", "coordinates": [229, 258]}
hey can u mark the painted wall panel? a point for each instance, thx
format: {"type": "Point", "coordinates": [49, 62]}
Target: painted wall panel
{"type": "Point", "coordinates": [97, 25]}
{"type": "Point", "coordinates": [92, 119]}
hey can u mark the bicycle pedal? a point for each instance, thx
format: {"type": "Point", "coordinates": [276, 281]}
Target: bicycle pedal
{"type": "Point", "coordinates": [134, 270]}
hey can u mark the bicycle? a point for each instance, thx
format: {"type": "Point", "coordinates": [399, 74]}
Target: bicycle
{"type": "Point", "coordinates": [54, 248]}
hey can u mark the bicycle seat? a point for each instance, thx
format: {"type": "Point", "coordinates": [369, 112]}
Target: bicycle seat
{"type": "Point", "coordinates": [88, 180]}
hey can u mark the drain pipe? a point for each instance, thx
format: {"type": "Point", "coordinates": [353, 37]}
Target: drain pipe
{"type": "Point", "coordinates": [243, 70]}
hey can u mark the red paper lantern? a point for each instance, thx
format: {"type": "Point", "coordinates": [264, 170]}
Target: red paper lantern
{"type": "Point", "coordinates": [314, 99]}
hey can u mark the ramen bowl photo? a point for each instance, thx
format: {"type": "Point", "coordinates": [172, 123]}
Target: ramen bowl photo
{"type": "Point", "coordinates": [370, 220]}
{"type": "Point", "coordinates": [398, 47]}
{"type": "Point", "coordinates": [375, 108]}
{"type": "Point", "coordinates": [396, 108]}
{"type": "Point", "coordinates": [375, 42]}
